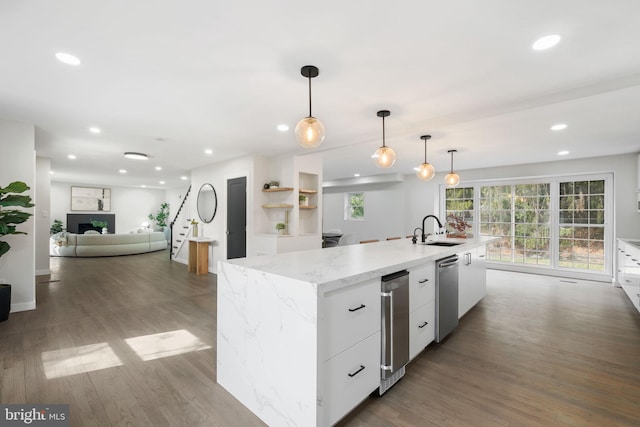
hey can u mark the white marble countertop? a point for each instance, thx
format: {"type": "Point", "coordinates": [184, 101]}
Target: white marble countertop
{"type": "Point", "coordinates": [632, 242]}
{"type": "Point", "coordinates": [340, 266]}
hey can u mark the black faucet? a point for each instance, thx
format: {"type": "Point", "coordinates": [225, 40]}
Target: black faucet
{"type": "Point", "coordinates": [424, 237]}
{"type": "Point", "coordinates": [414, 239]}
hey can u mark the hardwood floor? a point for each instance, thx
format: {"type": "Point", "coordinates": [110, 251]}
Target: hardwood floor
{"type": "Point", "coordinates": [107, 335]}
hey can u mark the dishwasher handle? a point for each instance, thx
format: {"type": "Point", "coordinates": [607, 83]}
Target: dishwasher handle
{"type": "Point", "coordinates": [450, 262]}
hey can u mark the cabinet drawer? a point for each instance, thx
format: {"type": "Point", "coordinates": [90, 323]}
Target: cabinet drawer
{"type": "Point", "coordinates": [350, 315]}
{"type": "Point", "coordinates": [350, 377]}
{"type": "Point", "coordinates": [422, 323]}
{"type": "Point", "coordinates": [422, 285]}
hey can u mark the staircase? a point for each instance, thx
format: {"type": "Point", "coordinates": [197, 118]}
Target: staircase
{"type": "Point", "coordinates": [179, 244]}
{"type": "Point", "coordinates": [180, 232]}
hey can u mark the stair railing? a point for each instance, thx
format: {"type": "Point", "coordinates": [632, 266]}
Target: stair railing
{"type": "Point", "coordinates": [186, 196]}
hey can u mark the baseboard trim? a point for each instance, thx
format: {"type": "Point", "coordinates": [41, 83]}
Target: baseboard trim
{"type": "Point", "coordinates": [43, 272]}
{"type": "Point", "coordinates": [23, 306]}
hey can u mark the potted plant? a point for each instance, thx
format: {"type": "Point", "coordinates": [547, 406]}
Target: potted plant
{"type": "Point", "coordinates": [459, 225]}
{"type": "Point", "coordinates": [10, 198]}
{"type": "Point", "coordinates": [274, 184]}
{"type": "Point", "coordinates": [281, 226]}
{"type": "Point", "coordinates": [304, 200]}
{"type": "Point", "coordinates": [160, 218]}
{"type": "Point", "coordinates": [102, 225]}
{"type": "Point", "coordinates": [56, 227]}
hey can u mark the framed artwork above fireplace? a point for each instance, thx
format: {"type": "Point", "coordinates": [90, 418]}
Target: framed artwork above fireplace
{"type": "Point", "coordinates": [90, 199]}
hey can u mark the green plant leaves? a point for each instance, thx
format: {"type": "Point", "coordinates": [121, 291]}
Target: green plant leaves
{"type": "Point", "coordinates": [10, 217]}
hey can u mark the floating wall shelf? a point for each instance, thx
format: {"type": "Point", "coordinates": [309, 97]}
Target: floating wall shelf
{"type": "Point", "coordinates": [277, 205]}
{"type": "Point", "coordinates": [275, 190]}
{"type": "Point", "coordinates": [307, 191]}
{"type": "Point", "coordinates": [308, 207]}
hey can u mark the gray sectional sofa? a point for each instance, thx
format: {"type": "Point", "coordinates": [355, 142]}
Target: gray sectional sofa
{"type": "Point", "coordinates": [93, 245]}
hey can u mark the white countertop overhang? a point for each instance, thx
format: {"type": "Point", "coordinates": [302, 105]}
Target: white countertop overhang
{"type": "Point", "coordinates": [333, 268]}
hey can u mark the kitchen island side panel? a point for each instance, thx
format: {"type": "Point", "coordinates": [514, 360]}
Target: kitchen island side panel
{"type": "Point", "coordinates": [267, 351]}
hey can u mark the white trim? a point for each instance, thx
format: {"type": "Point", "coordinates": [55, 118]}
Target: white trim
{"type": "Point", "coordinates": [23, 306]}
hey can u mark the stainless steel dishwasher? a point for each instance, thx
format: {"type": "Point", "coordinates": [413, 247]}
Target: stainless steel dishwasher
{"type": "Point", "coordinates": [395, 328]}
{"type": "Point", "coordinates": [446, 296]}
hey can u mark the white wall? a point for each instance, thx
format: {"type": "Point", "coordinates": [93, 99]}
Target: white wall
{"type": "Point", "coordinates": [42, 214]}
{"type": "Point", "coordinates": [131, 206]}
{"type": "Point", "coordinates": [217, 175]}
{"type": "Point", "coordinates": [17, 267]}
{"type": "Point", "coordinates": [384, 211]}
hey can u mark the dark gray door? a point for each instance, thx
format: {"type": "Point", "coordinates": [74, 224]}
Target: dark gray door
{"type": "Point", "coordinates": [237, 217]}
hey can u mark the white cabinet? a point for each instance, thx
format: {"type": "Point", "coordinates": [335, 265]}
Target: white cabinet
{"type": "Point", "coordinates": [629, 271]}
{"type": "Point", "coordinates": [422, 294]}
{"type": "Point", "coordinates": [351, 337]}
{"type": "Point", "coordinates": [351, 315]}
{"type": "Point", "coordinates": [351, 376]}
{"type": "Point", "coordinates": [472, 279]}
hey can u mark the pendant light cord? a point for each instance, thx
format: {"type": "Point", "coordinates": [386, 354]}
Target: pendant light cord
{"type": "Point", "coordinates": [425, 151]}
{"type": "Point", "coordinates": [452, 162]}
{"type": "Point", "coordinates": [383, 131]}
{"type": "Point", "coordinates": [310, 97]}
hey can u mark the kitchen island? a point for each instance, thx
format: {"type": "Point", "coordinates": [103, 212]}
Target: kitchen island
{"type": "Point", "coordinates": [298, 334]}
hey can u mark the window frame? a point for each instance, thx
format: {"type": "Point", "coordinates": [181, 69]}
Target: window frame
{"type": "Point", "coordinates": [348, 206]}
{"type": "Point", "coordinates": [554, 244]}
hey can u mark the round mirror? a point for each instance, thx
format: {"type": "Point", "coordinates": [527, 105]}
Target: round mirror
{"type": "Point", "coordinates": [207, 203]}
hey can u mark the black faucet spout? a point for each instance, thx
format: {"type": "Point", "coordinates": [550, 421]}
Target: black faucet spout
{"type": "Point", "coordinates": [424, 236]}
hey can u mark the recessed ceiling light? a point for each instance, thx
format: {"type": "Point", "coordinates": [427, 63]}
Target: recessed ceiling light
{"type": "Point", "coordinates": [72, 156]}
{"type": "Point", "coordinates": [563, 153]}
{"type": "Point", "coordinates": [94, 130]}
{"type": "Point", "coordinates": [68, 59]}
{"type": "Point", "coordinates": [208, 151]}
{"type": "Point", "coordinates": [559, 126]}
{"type": "Point", "coordinates": [546, 42]}
{"type": "Point", "coordinates": [283, 128]}
{"type": "Point", "coordinates": [143, 186]}
{"type": "Point", "coordinates": [162, 182]}
{"type": "Point", "coordinates": [416, 169]}
{"type": "Point", "coordinates": [374, 156]}
{"type": "Point", "coordinates": [136, 156]}
{"type": "Point", "coordinates": [184, 178]}
{"type": "Point", "coordinates": [356, 175]}
{"type": "Point", "coordinates": [51, 172]}
{"type": "Point", "coordinates": [122, 171]}
{"type": "Point", "coordinates": [158, 168]}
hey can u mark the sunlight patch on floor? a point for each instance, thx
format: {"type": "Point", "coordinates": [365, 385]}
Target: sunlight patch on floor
{"type": "Point", "coordinates": [165, 344]}
{"type": "Point", "coordinates": [77, 360]}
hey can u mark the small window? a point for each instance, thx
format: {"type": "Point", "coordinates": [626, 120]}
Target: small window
{"type": "Point", "coordinates": [354, 206]}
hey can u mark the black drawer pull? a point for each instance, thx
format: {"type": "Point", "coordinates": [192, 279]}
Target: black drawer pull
{"type": "Point", "coordinates": [357, 308]}
{"type": "Point", "coordinates": [356, 372]}
{"type": "Point", "coordinates": [423, 280]}
{"type": "Point", "coordinates": [423, 325]}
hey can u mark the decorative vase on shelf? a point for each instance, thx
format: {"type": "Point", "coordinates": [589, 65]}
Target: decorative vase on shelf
{"type": "Point", "coordinates": [104, 230]}
{"type": "Point", "coordinates": [195, 230]}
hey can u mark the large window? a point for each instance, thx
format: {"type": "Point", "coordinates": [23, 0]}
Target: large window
{"type": "Point", "coordinates": [520, 215]}
{"type": "Point", "coordinates": [354, 206]}
{"type": "Point", "coordinates": [553, 223]}
{"type": "Point", "coordinates": [459, 211]}
{"type": "Point", "coordinates": [581, 224]}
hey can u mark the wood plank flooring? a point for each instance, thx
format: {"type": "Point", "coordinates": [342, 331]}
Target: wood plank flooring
{"type": "Point", "coordinates": [534, 352]}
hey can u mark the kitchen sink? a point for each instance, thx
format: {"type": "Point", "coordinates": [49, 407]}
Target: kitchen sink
{"type": "Point", "coordinates": [440, 244]}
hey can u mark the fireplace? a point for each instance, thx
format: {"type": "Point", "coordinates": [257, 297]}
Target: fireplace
{"type": "Point", "coordinates": [79, 223]}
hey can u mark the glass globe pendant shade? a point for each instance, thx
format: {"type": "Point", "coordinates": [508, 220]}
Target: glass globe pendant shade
{"type": "Point", "coordinates": [309, 132]}
{"type": "Point", "coordinates": [426, 172]}
{"type": "Point", "coordinates": [452, 179]}
{"type": "Point", "coordinates": [385, 157]}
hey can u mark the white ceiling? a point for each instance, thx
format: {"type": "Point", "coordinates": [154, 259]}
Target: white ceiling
{"type": "Point", "coordinates": [171, 78]}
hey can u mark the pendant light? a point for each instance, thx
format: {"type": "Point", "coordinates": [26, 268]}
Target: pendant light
{"type": "Point", "coordinates": [309, 131]}
{"type": "Point", "coordinates": [385, 156]}
{"type": "Point", "coordinates": [426, 171]}
{"type": "Point", "coordinates": [452, 179]}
